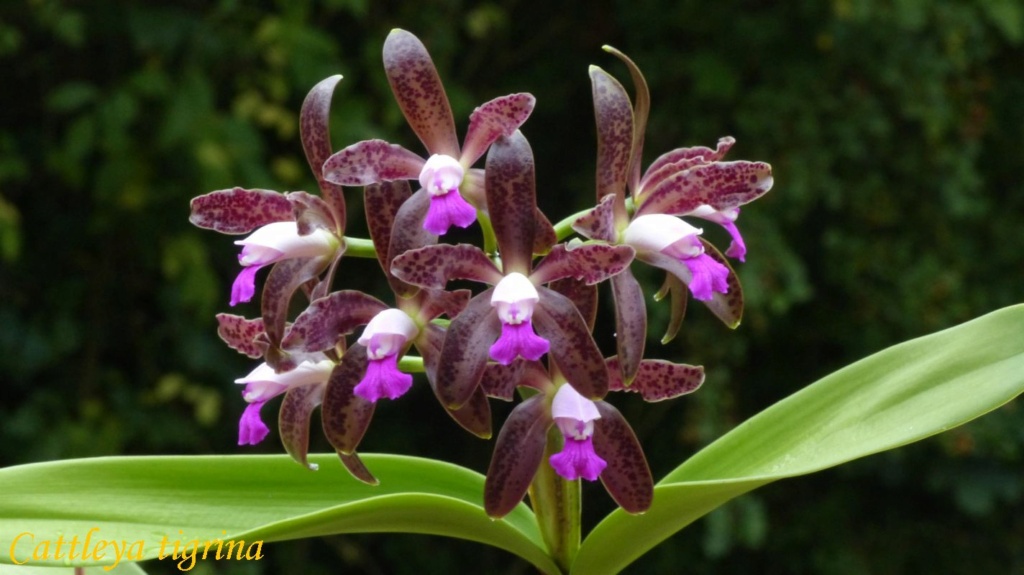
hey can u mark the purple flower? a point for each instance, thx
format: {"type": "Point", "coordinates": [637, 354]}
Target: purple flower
{"type": "Point", "coordinates": [514, 299]}
{"type": "Point", "coordinates": [386, 337]}
{"type": "Point", "coordinates": [670, 243]}
{"type": "Point", "coordinates": [263, 384]}
{"type": "Point", "coordinates": [574, 415]}
{"type": "Point", "coordinates": [275, 242]}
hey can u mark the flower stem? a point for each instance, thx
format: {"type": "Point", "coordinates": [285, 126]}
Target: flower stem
{"type": "Point", "coordinates": [556, 503]}
{"type": "Point", "coordinates": [411, 364]}
{"type": "Point", "coordinates": [359, 248]}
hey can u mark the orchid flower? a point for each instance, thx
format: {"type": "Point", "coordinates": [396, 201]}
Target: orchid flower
{"type": "Point", "coordinates": [263, 384]}
{"type": "Point", "coordinates": [499, 322]}
{"type": "Point", "coordinates": [445, 176]}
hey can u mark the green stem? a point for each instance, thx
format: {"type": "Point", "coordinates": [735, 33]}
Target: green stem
{"type": "Point", "coordinates": [563, 228]}
{"type": "Point", "coordinates": [556, 502]}
{"type": "Point", "coordinates": [490, 240]}
{"type": "Point", "coordinates": [411, 364]}
{"type": "Point", "coordinates": [359, 248]}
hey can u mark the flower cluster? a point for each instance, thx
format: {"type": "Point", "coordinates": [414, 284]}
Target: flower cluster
{"type": "Point", "coordinates": [528, 330]}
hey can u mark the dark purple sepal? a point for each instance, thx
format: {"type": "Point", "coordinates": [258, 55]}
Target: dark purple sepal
{"type": "Point", "coordinates": [293, 420]}
{"type": "Point", "coordinates": [491, 120]}
{"type": "Point", "coordinates": [599, 223]}
{"type": "Point", "coordinates": [544, 235]}
{"type": "Point", "coordinates": [314, 119]}
{"type": "Point", "coordinates": [381, 204]}
{"type": "Point", "coordinates": [500, 381]}
{"type": "Point", "coordinates": [589, 263]}
{"type": "Point", "coordinates": [641, 109]}
{"type": "Point", "coordinates": [285, 277]}
{"type": "Point", "coordinates": [357, 468]}
{"type": "Point", "coordinates": [572, 347]}
{"type": "Point", "coordinates": [371, 162]}
{"type": "Point", "coordinates": [419, 92]}
{"type": "Point", "coordinates": [312, 213]}
{"type": "Point", "coordinates": [674, 288]}
{"type": "Point", "coordinates": [721, 185]}
{"type": "Point", "coordinates": [465, 351]}
{"type": "Point", "coordinates": [683, 158]}
{"type": "Point", "coordinates": [407, 234]}
{"type": "Point", "coordinates": [327, 320]}
{"type": "Point", "coordinates": [345, 415]}
{"type": "Point", "coordinates": [583, 296]}
{"type": "Point", "coordinates": [475, 415]}
{"type": "Point", "coordinates": [240, 333]}
{"type": "Point", "coordinates": [630, 324]}
{"type": "Point", "coordinates": [512, 200]}
{"type": "Point", "coordinates": [434, 303]}
{"type": "Point", "coordinates": [658, 379]}
{"type": "Point", "coordinates": [728, 307]}
{"type": "Point", "coordinates": [239, 211]}
{"type": "Point", "coordinates": [434, 266]}
{"type": "Point", "coordinates": [518, 453]}
{"type": "Point", "coordinates": [613, 113]}
{"type": "Point", "coordinates": [627, 478]}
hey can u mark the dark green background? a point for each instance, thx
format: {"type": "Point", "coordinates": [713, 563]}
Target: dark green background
{"type": "Point", "coordinates": [895, 129]}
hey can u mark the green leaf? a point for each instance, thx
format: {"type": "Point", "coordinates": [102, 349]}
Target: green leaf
{"type": "Point", "coordinates": [897, 396]}
{"type": "Point", "coordinates": [142, 500]}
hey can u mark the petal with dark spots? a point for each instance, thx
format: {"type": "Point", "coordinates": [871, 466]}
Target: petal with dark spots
{"type": "Point", "coordinates": [475, 415]}
{"type": "Point", "coordinates": [627, 478]}
{"type": "Point", "coordinates": [434, 266]}
{"type": "Point", "coordinates": [312, 213]}
{"type": "Point", "coordinates": [239, 211]}
{"type": "Point", "coordinates": [465, 350]}
{"type": "Point", "coordinates": [614, 115]}
{"type": "Point", "coordinates": [518, 453]}
{"type": "Point", "coordinates": [500, 117]}
{"type": "Point", "coordinates": [314, 119]}
{"type": "Point", "coordinates": [658, 379]}
{"type": "Point", "coordinates": [345, 415]}
{"type": "Point", "coordinates": [501, 381]}
{"type": "Point", "coordinates": [583, 296]}
{"type": "Point", "coordinates": [512, 200]}
{"type": "Point", "coordinates": [284, 278]}
{"type": "Point", "coordinates": [327, 320]}
{"type": "Point", "coordinates": [240, 333]}
{"type": "Point", "coordinates": [357, 468]}
{"type": "Point", "coordinates": [435, 303]}
{"type": "Point", "coordinates": [721, 185]}
{"type": "Point", "coordinates": [382, 203]}
{"type": "Point", "coordinates": [685, 158]}
{"type": "Point", "coordinates": [371, 162]}
{"type": "Point", "coordinates": [674, 288]}
{"type": "Point", "coordinates": [598, 223]}
{"type": "Point", "coordinates": [641, 109]}
{"type": "Point", "coordinates": [407, 234]}
{"type": "Point", "coordinates": [589, 263]}
{"type": "Point", "coordinates": [630, 324]}
{"type": "Point", "coordinates": [572, 346]}
{"type": "Point", "coordinates": [293, 420]}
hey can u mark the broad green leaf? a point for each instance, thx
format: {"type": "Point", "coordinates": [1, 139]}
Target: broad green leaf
{"type": "Point", "coordinates": [121, 569]}
{"type": "Point", "coordinates": [141, 500]}
{"type": "Point", "coordinates": [897, 396]}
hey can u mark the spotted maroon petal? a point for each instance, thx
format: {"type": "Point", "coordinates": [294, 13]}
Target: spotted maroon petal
{"type": "Point", "coordinates": [599, 223]}
{"type": "Point", "coordinates": [357, 468]}
{"type": "Point", "coordinates": [312, 213]}
{"type": "Point", "coordinates": [500, 381]}
{"type": "Point", "coordinates": [500, 117]}
{"type": "Point", "coordinates": [435, 303]}
{"type": "Point", "coordinates": [544, 236]}
{"type": "Point", "coordinates": [282, 282]}
{"type": "Point", "coordinates": [475, 415]}
{"type": "Point", "coordinates": [674, 288]}
{"type": "Point", "coordinates": [314, 129]}
{"type": "Point", "coordinates": [371, 162]}
{"type": "Point", "coordinates": [627, 478]}
{"type": "Point", "coordinates": [630, 324]}
{"type": "Point", "coordinates": [583, 296]}
{"type": "Point", "coordinates": [240, 333]}
{"type": "Point", "coordinates": [434, 266]}
{"type": "Point", "coordinates": [589, 263]}
{"type": "Point", "coordinates": [641, 109]}
{"type": "Point", "coordinates": [465, 350]}
{"type": "Point", "coordinates": [512, 200]}
{"type": "Point", "coordinates": [518, 453]}
{"type": "Point", "coordinates": [683, 158]}
{"type": "Point", "coordinates": [614, 115]}
{"type": "Point", "coordinates": [721, 185]}
{"type": "Point", "coordinates": [381, 203]}
{"type": "Point", "coordinates": [419, 92]}
{"type": "Point", "coordinates": [572, 347]}
{"type": "Point", "coordinates": [407, 234]}
{"type": "Point", "coordinates": [345, 415]}
{"type": "Point", "coordinates": [293, 420]}
{"type": "Point", "coordinates": [239, 211]}
{"type": "Point", "coordinates": [658, 379]}
{"type": "Point", "coordinates": [327, 320]}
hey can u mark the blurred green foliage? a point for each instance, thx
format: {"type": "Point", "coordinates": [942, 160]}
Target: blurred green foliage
{"type": "Point", "coordinates": [894, 128]}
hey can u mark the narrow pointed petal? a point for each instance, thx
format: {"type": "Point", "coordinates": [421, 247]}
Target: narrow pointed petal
{"type": "Point", "coordinates": [239, 211]}
{"type": "Point", "coordinates": [641, 109]}
{"type": "Point", "coordinates": [407, 234]}
{"type": "Point", "coordinates": [465, 350]}
{"type": "Point", "coordinates": [381, 204]}
{"type": "Point", "coordinates": [674, 288]}
{"type": "Point", "coordinates": [293, 420]}
{"type": "Point", "coordinates": [614, 115]}
{"type": "Point", "coordinates": [583, 296]}
{"type": "Point", "coordinates": [683, 158]}
{"type": "Point", "coordinates": [501, 381]}
{"type": "Point", "coordinates": [544, 236]}
{"type": "Point", "coordinates": [284, 278]}
{"type": "Point", "coordinates": [371, 162]}
{"type": "Point", "coordinates": [572, 347]}
{"type": "Point", "coordinates": [345, 415]}
{"type": "Point", "coordinates": [434, 266]}
{"type": "Point", "coordinates": [313, 213]}
{"type": "Point", "coordinates": [240, 333]}
{"type": "Point", "coordinates": [500, 117]}
{"type": "Point", "coordinates": [599, 223]}
{"type": "Point", "coordinates": [630, 324]}
{"type": "Point", "coordinates": [518, 453]}
{"type": "Point", "coordinates": [627, 477]}
{"type": "Point", "coordinates": [357, 468]}
{"type": "Point", "coordinates": [419, 92]}
{"type": "Point", "coordinates": [314, 129]}
{"type": "Point", "coordinates": [589, 263]}
{"type": "Point", "coordinates": [512, 200]}
{"type": "Point", "coordinates": [435, 303]}
{"type": "Point", "coordinates": [722, 185]}
{"type": "Point", "coordinates": [658, 379]}
{"type": "Point", "coordinates": [327, 320]}
{"type": "Point", "coordinates": [475, 415]}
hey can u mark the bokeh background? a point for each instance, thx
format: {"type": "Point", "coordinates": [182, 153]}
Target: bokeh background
{"type": "Point", "coordinates": [895, 129]}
